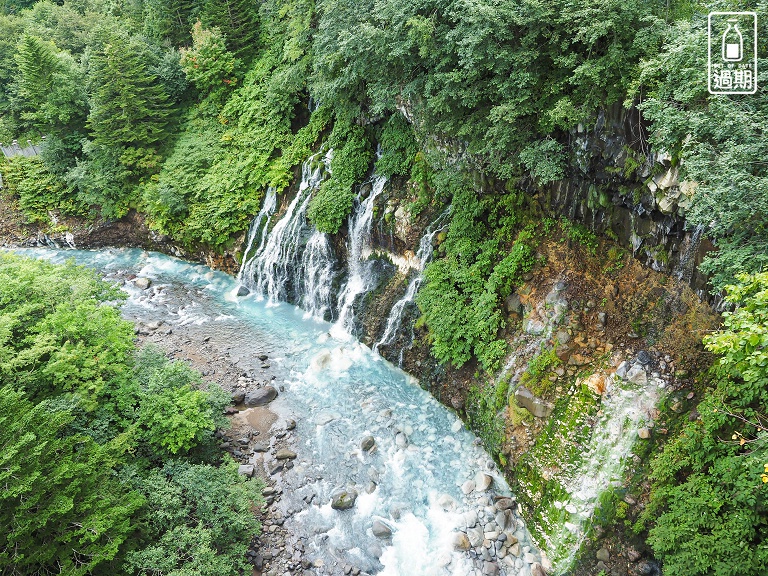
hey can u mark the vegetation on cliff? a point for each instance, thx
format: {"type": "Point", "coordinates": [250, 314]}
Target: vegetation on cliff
{"type": "Point", "coordinates": [188, 110]}
{"type": "Point", "coordinates": [108, 459]}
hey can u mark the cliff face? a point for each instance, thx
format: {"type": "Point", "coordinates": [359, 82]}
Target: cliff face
{"type": "Point", "coordinates": [604, 342]}
{"type": "Point", "coordinates": [604, 345]}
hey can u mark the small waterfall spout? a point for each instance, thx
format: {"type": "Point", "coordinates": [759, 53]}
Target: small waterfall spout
{"type": "Point", "coordinates": [423, 254]}
{"type": "Point", "coordinates": [360, 278]}
{"type": "Point", "coordinates": [626, 408]}
{"type": "Point", "coordinates": [257, 229]}
{"type": "Point", "coordinates": [293, 260]}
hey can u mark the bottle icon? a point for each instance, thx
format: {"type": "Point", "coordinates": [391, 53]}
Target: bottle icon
{"type": "Point", "coordinates": [733, 42]}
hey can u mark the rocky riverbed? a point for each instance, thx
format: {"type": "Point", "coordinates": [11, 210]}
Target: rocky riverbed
{"type": "Point", "coordinates": [402, 490]}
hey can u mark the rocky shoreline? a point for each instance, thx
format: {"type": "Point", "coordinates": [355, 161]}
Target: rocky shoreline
{"type": "Point", "coordinates": [491, 537]}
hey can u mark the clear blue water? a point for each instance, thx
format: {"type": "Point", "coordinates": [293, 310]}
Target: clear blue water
{"type": "Point", "coordinates": [338, 391]}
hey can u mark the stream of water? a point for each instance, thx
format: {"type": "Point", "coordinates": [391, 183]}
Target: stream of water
{"type": "Point", "coordinates": [339, 392]}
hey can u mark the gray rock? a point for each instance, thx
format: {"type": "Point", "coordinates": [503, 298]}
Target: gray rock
{"type": "Point", "coordinates": [260, 397]}
{"type": "Point", "coordinates": [238, 397]}
{"type": "Point", "coordinates": [242, 291]}
{"type": "Point", "coordinates": [262, 357]}
{"type": "Point", "coordinates": [504, 519]}
{"type": "Point", "coordinates": [475, 536]}
{"type": "Point", "coordinates": [142, 283]}
{"type": "Point", "coordinates": [603, 555]}
{"type": "Point", "coordinates": [324, 418]}
{"type": "Point", "coordinates": [290, 424]}
{"type": "Point", "coordinates": [514, 550]}
{"type": "Point", "coordinates": [344, 499]}
{"type": "Point", "coordinates": [245, 470]}
{"type": "Point", "coordinates": [536, 406]}
{"type": "Point", "coordinates": [505, 504]}
{"type": "Point", "coordinates": [490, 569]}
{"type": "Point", "coordinates": [644, 433]}
{"type": "Point", "coordinates": [537, 570]}
{"type": "Point", "coordinates": [260, 447]}
{"type": "Point", "coordinates": [482, 482]}
{"type": "Point", "coordinates": [637, 375]}
{"type": "Point", "coordinates": [513, 305]}
{"type": "Point", "coordinates": [401, 440]}
{"type": "Point", "coordinates": [381, 530]}
{"type": "Point", "coordinates": [461, 542]}
{"type": "Point", "coordinates": [368, 443]}
{"type": "Point", "coordinates": [602, 319]}
{"type": "Point", "coordinates": [643, 358]}
{"type": "Point", "coordinates": [468, 487]}
{"type": "Point", "coordinates": [285, 454]}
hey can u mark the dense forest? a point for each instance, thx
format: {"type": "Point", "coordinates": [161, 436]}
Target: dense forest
{"type": "Point", "coordinates": [187, 111]}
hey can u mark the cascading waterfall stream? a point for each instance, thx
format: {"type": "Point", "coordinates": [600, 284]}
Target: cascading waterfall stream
{"type": "Point", "coordinates": [267, 209]}
{"type": "Point", "coordinates": [294, 257]}
{"type": "Point", "coordinates": [415, 481]}
{"type": "Point", "coordinates": [359, 280]}
{"type": "Point", "coordinates": [625, 409]}
{"type": "Point", "coordinates": [423, 254]}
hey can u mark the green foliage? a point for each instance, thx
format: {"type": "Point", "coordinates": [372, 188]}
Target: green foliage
{"type": "Point", "coordinates": [107, 456]}
{"type": "Point", "coordinates": [38, 190]}
{"type": "Point", "coordinates": [708, 505]}
{"type": "Point", "coordinates": [721, 143]}
{"type": "Point", "coordinates": [61, 508]}
{"type": "Point", "coordinates": [209, 66]}
{"type": "Point", "coordinates": [49, 87]}
{"type": "Point", "coordinates": [56, 335]}
{"type": "Point", "coordinates": [351, 157]}
{"type": "Point", "coordinates": [462, 297]}
{"type": "Point", "coordinates": [398, 147]}
{"type": "Point", "coordinates": [545, 160]}
{"type": "Point", "coordinates": [173, 413]}
{"type": "Point", "coordinates": [198, 520]}
{"type": "Point", "coordinates": [500, 77]}
{"type": "Point", "coordinates": [579, 234]}
{"type": "Point", "coordinates": [483, 407]}
{"type": "Point", "coordinates": [538, 367]}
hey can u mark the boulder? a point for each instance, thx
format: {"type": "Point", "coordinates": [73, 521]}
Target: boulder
{"type": "Point", "coordinates": [603, 555]}
{"type": "Point", "coordinates": [343, 499]}
{"type": "Point", "coordinates": [367, 443]}
{"type": "Point", "coordinates": [245, 470]}
{"type": "Point", "coordinates": [260, 397]}
{"type": "Point", "coordinates": [461, 542]}
{"type": "Point", "coordinates": [536, 406]}
{"type": "Point", "coordinates": [637, 375]}
{"type": "Point", "coordinates": [242, 291]}
{"type": "Point", "coordinates": [285, 454]}
{"type": "Point", "coordinates": [238, 397]}
{"type": "Point", "coordinates": [468, 487]}
{"type": "Point", "coordinates": [490, 569]}
{"type": "Point", "coordinates": [475, 536]}
{"type": "Point", "coordinates": [482, 482]}
{"type": "Point", "coordinates": [142, 283]}
{"type": "Point", "coordinates": [505, 504]}
{"type": "Point", "coordinates": [381, 530]}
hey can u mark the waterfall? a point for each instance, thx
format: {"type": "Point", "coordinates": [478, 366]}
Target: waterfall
{"type": "Point", "coordinates": [315, 276]}
{"type": "Point", "coordinates": [423, 254]}
{"type": "Point", "coordinates": [360, 279]}
{"type": "Point", "coordinates": [625, 409]}
{"type": "Point", "coordinates": [294, 259]}
{"type": "Point", "coordinates": [267, 209]}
